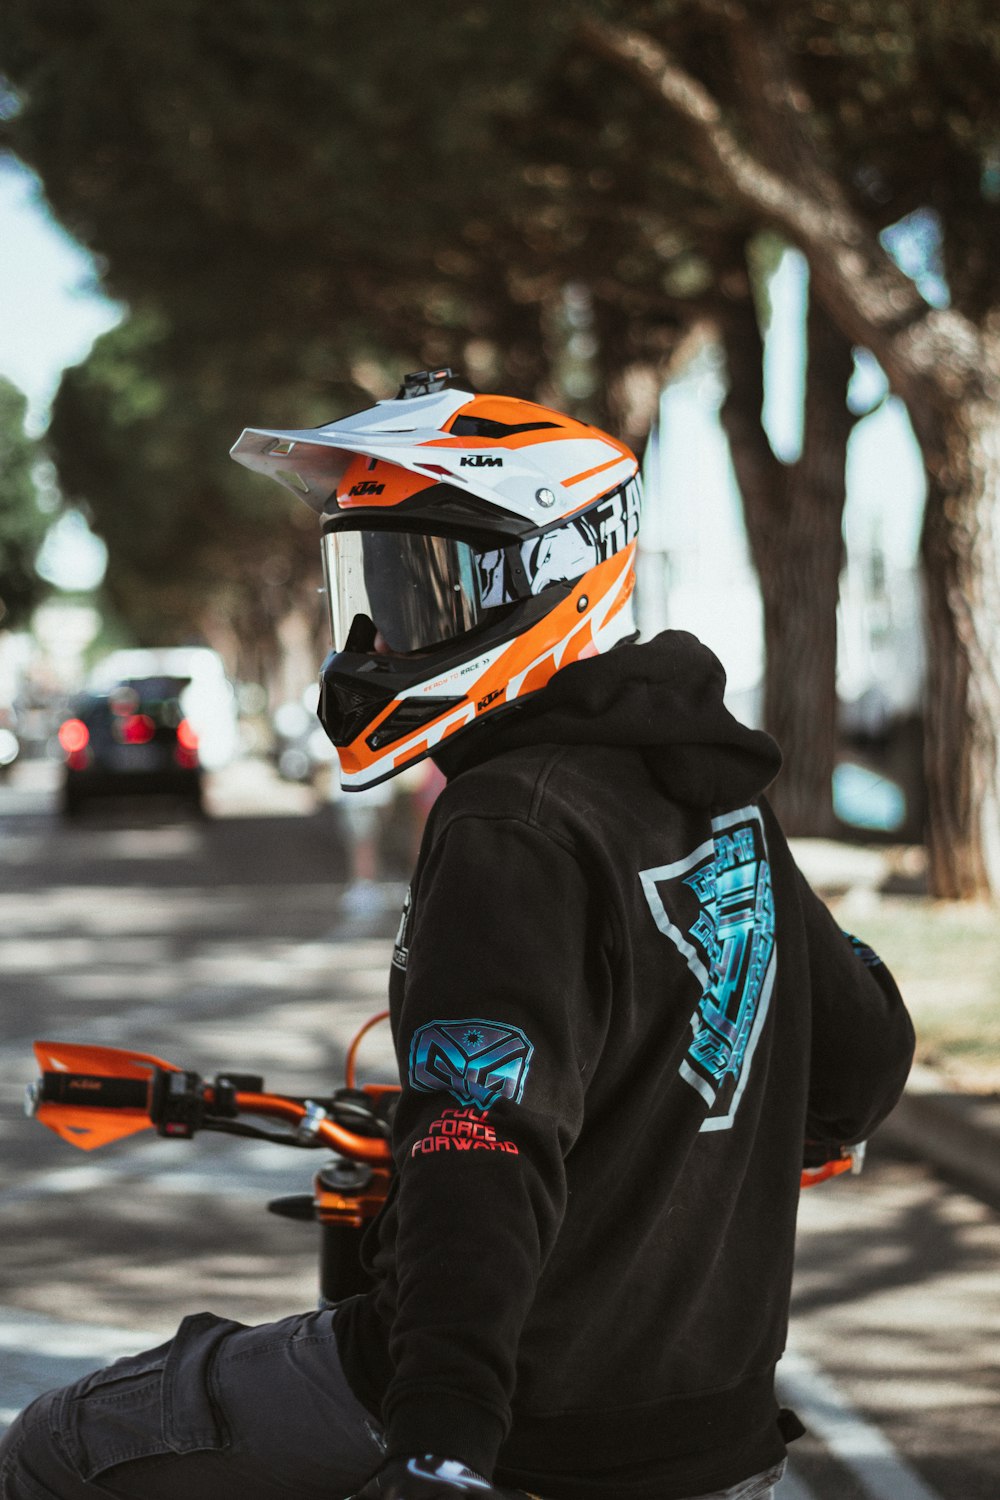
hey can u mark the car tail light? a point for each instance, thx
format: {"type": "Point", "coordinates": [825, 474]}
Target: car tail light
{"type": "Point", "coordinates": [186, 750]}
{"type": "Point", "coordinates": [137, 729]}
{"type": "Point", "coordinates": [74, 736]}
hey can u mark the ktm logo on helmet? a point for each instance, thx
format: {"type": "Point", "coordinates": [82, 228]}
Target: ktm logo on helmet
{"type": "Point", "coordinates": [366, 487]}
{"type": "Point", "coordinates": [481, 461]}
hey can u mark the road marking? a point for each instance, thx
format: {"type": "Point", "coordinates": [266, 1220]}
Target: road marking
{"type": "Point", "coordinates": [855, 1442]}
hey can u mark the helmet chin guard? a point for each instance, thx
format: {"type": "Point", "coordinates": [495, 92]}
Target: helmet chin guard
{"type": "Point", "coordinates": [472, 546]}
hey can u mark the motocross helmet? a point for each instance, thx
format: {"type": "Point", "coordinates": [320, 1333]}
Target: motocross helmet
{"type": "Point", "coordinates": [472, 546]}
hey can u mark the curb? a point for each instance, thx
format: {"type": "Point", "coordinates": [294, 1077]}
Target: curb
{"type": "Point", "coordinates": [959, 1134]}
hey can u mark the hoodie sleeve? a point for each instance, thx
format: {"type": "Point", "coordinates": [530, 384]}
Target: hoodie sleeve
{"type": "Point", "coordinates": [505, 992]}
{"type": "Point", "coordinates": [862, 1037]}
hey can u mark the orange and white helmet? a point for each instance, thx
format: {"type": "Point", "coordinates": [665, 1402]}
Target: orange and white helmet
{"type": "Point", "coordinates": [472, 546]}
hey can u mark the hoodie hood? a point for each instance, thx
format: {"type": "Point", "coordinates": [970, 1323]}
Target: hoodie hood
{"type": "Point", "coordinates": [663, 698]}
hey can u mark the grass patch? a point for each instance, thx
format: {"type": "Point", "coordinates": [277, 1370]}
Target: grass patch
{"type": "Point", "coordinates": [946, 960]}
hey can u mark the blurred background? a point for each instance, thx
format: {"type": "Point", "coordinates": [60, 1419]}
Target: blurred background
{"type": "Point", "coordinates": [759, 241]}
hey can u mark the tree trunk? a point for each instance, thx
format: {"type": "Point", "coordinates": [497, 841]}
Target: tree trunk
{"type": "Point", "coordinates": [800, 618]}
{"type": "Point", "coordinates": [960, 549]}
{"type": "Point", "coordinates": [794, 516]}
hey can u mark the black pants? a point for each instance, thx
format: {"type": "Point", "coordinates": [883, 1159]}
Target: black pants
{"type": "Point", "coordinates": [221, 1412]}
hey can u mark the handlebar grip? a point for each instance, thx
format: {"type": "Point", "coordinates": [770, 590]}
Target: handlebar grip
{"type": "Point", "coordinates": [90, 1090]}
{"type": "Point", "coordinates": [178, 1104]}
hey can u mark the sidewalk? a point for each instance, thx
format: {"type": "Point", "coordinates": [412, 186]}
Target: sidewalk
{"type": "Point", "coordinates": [947, 962]}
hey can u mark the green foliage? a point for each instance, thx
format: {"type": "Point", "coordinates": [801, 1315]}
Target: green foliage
{"type": "Point", "coordinates": [908, 97]}
{"type": "Point", "coordinates": [146, 458]}
{"type": "Point", "coordinates": [22, 525]}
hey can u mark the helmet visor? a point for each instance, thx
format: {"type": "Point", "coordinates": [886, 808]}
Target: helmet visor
{"type": "Point", "coordinates": [417, 590]}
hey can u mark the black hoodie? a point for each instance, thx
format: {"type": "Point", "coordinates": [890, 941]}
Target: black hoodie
{"type": "Point", "coordinates": [619, 1011]}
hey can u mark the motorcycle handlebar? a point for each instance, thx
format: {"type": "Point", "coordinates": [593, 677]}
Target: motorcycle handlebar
{"type": "Point", "coordinates": [92, 1095]}
{"type": "Point", "coordinates": [92, 1108]}
{"type": "Point", "coordinates": [315, 1123]}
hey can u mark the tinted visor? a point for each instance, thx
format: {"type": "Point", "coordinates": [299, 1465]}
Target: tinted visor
{"type": "Point", "coordinates": [417, 590]}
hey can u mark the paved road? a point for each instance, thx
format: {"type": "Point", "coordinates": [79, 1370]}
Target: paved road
{"type": "Point", "coordinates": [229, 943]}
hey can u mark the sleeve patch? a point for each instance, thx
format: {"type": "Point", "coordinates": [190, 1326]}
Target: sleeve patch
{"type": "Point", "coordinates": [476, 1061]}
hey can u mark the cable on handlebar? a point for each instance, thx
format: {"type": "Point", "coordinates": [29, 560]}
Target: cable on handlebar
{"type": "Point", "coordinates": [352, 1051]}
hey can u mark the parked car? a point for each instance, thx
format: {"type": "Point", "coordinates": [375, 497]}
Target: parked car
{"type": "Point", "coordinates": [134, 738]}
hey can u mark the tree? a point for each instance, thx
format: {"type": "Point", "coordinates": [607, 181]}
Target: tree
{"type": "Point", "coordinates": [794, 518]}
{"type": "Point", "coordinates": [197, 553]}
{"type": "Point", "coordinates": [22, 524]}
{"type": "Point", "coordinates": [769, 149]}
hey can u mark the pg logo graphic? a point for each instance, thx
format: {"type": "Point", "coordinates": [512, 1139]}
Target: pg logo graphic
{"type": "Point", "coordinates": [477, 1061]}
{"type": "Point", "coordinates": [717, 908]}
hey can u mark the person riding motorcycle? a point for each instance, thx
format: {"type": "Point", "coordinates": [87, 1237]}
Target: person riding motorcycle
{"type": "Point", "coordinates": [620, 1014]}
